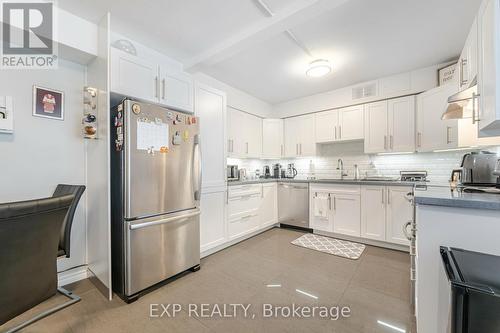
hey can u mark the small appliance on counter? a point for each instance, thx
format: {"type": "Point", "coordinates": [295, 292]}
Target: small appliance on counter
{"type": "Point", "coordinates": [497, 173]}
{"type": "Point", "coordinates": [290, 172]}
{"type": "Point", "coordinates": [243, 174]}
{"type": "Point", "coordinates": [277, 170]}
{"type": "Point", "coordinates": [232, 173]}
{"type": "Point", "coordinates": [267, 172]}
{"type": "Point", "coordinates": [413, 176]}
{"type": "Point", "coordinates": [477, 169]}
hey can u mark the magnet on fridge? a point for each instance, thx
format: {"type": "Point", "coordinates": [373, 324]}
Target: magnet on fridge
{"type": "Point", "coordinates": [176, 140]}
{"type": "Point", "coordinates": [189, 120]}
{"type": "Point", "coordinates": [185, 135]}
{"type": "Point", "coordinates": [164, 150]}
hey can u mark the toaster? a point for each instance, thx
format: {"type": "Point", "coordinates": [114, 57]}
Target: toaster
{"type": "Point", "coordinates": [478, 168]}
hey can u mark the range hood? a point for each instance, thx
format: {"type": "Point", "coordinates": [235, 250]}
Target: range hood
{"type": "Point", "coordinates": [458, 103]}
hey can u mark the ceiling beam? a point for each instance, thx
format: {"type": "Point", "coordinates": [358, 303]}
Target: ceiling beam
{"type": "Point", "coordinates": [298, 12]}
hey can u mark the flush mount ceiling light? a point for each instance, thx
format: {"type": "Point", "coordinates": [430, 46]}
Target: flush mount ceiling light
{"type": "Point", "coordinates": [319, 68]}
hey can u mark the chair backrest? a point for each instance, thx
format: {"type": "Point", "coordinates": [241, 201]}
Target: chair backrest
{"type": "Point", "coordinates": [29, 234]}
{"type": "Point", "coordinates": [65, 235]}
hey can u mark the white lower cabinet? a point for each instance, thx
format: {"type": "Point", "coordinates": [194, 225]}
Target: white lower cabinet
{"type": "Point", "coordinates": [346, 214]}
{"type": "Point", "coordinates": [212, 225]}
{"type": "Point", "coordinates": [384, 213]}
{"type": "Point", "coordinates": [251, 208]}
{"type": "Point", "coordinates": [373, 213]}
{"type": "Point", "coordinates": [335, 209]}
{"type": "Point", "coordinates": [399, 212]}
{"type": "Point", "coordinates": [268, 209]}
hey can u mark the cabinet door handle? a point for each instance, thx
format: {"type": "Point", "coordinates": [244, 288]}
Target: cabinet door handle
{"type": "Point", "coordinates": [388, 196]}
{"type": "Point", "coordinates": [329, 201]}
{"type": "Point", "coordinates": [419, 139]}
{"type": "Point", "coordinates": [385, 142]}
{"type": "Point", "coordinates": [383, 196]}
{"type": "Point", "coordinates": [335, 132]}
{"type": "Point", "coordinates": [340, 132]}
{"type": "Point", "coordinates": [163, 89]}
{"type": "Point", "coordinates": [156, 86]}
{"type": "Point", "coordinates": [474, 98]}
{"type": "Point", "coordinates": [448, 135]}
{"type": "Point", "coordinates": [300, 146]}
{"type": "Point", "coordinates": [296, 149]}
{"type": "Point", "coordinates": [281, 147]}
{"type": "Point", "coordinates": [392, 141]}
{"type": "Point", "coordinates": [247, 147]}
{"type": "Point", "coordinates": [463, 81]}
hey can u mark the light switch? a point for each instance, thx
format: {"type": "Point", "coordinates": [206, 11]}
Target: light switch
{"type": "Point", "coordinates": [6, 115]}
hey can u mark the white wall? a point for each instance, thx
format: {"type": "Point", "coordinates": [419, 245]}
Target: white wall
{"type": "Point", "coordinates": [238, 99]}
{"type": "Point", "coordinates": [407, 83]}
{"type": "Point", "coordinates": [42, 152]}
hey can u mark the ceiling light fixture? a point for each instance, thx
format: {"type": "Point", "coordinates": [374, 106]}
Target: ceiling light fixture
{"type": "Point", "coordinates": [319, 68]}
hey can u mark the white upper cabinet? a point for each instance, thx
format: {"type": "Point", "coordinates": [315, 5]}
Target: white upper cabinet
{"type": "Point", "coordinates": [176, 90]}
{"type": "Point", "coordinates": [135, 77]}
{"type": "Point", "coordinates": [300, 138]}
{"type": "Point", "coordinates": [401, 124]}
{"type": "Point", "coordinates": [244, 134]}
{"type": "Point", "coordinates": [292, 137]}
{"type": "Point", "coordinates": [467, 64]}
{"type": "Point", "coordinates": [390, 126]}
{"type": "Point", "coordinates": [327, 124]}
{"type": "Point", "coordinates": [272, 138]}
{"type": "Point", "coordinates": [211, 108]}
{"type": "Point", "coordinates": [253, 136]}
{"type": "Point", "coordinates": [376, 127]}
{"type": "Point", "coordinates": [432, 132]}
{"type": "Point", "coordinates": [488, 107]}
{"type": "Point", "coordinates": [344, 124]}
{"type": "Point", "coordinates": [351, 123]}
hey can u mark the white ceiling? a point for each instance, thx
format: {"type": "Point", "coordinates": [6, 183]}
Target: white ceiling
{"type": "Point", "coordinates": [364, 39]}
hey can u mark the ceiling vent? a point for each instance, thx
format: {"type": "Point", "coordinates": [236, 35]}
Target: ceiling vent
{"type": "Point", "coordinates": [364, 91]}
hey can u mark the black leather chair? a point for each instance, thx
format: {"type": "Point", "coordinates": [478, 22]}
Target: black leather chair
{"type": "Point", "coordinates": [32, 235]}
{"type": "Point", "coordinates": [65, 237]}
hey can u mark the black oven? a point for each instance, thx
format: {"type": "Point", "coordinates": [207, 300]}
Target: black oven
{"type": "Point", "coordinates": [475, 290]}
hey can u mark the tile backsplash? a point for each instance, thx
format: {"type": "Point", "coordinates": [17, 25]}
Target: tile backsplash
{"type": "Point", "coordinates": [324, 165]}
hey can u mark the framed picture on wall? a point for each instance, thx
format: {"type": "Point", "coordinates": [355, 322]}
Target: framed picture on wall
{"type": "Point", "coordinates": [48, 103]}
{"type": "Point", "coordinates": [446, 74]}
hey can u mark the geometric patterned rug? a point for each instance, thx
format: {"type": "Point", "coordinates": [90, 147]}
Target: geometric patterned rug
{"type": "Point", "coordinates": [329, 245]}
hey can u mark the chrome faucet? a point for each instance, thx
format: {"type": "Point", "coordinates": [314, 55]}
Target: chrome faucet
{"type": "Point", "coordinates": [340, 166]}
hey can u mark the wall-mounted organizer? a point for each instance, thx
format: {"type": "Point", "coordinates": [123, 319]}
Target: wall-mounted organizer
{"type": "Point", "coordinates": [90, 113]}
{"type": "Point", "coordinates": [6, 115]}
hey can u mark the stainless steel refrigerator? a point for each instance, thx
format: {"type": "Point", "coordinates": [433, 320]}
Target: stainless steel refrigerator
{"type": "Point", "coordinates": [155, 196]}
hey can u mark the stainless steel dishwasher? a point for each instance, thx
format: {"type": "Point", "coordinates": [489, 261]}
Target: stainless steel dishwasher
{"type": "Point", "coordinates": [293, 204]}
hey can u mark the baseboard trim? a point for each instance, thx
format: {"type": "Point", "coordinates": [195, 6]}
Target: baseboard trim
{"type": "Point", "coordinates": [232, 242]}
{"type": "Point", "coordinates": [71, 276]}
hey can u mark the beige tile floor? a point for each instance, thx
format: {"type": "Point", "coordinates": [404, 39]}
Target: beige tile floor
{"type": "Point", "coordinates": [375, 288]}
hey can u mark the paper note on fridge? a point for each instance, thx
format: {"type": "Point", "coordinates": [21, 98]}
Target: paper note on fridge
{"type": "Point", "coordinates": [151, 135]}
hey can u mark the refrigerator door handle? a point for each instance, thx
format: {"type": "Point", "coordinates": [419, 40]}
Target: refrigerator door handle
{"type": "Point", "coordinates": [163, 221]}
{"type": "Point", "coordinates": [197, 168]}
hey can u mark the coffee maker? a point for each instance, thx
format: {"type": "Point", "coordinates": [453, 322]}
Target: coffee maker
{"type": "Point", "coordinates": [277, 170]}
{"type": "Point", "coordinates": [291, 172]}
{"type": "Point", "coordinates": [267, 171]}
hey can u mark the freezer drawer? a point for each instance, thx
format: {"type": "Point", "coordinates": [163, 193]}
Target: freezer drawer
{"type": "Point", "coordinates": [157, 249]}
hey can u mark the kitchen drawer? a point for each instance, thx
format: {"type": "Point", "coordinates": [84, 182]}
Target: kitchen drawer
{"type": "Point", "coordinates": [243, 203]}
{"type": "Point", "coordinates": [337, 188]}
{"type": "Point", "coordinates": [244, 190]}
{"type": "Point", "coordinates": [243, 224]}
